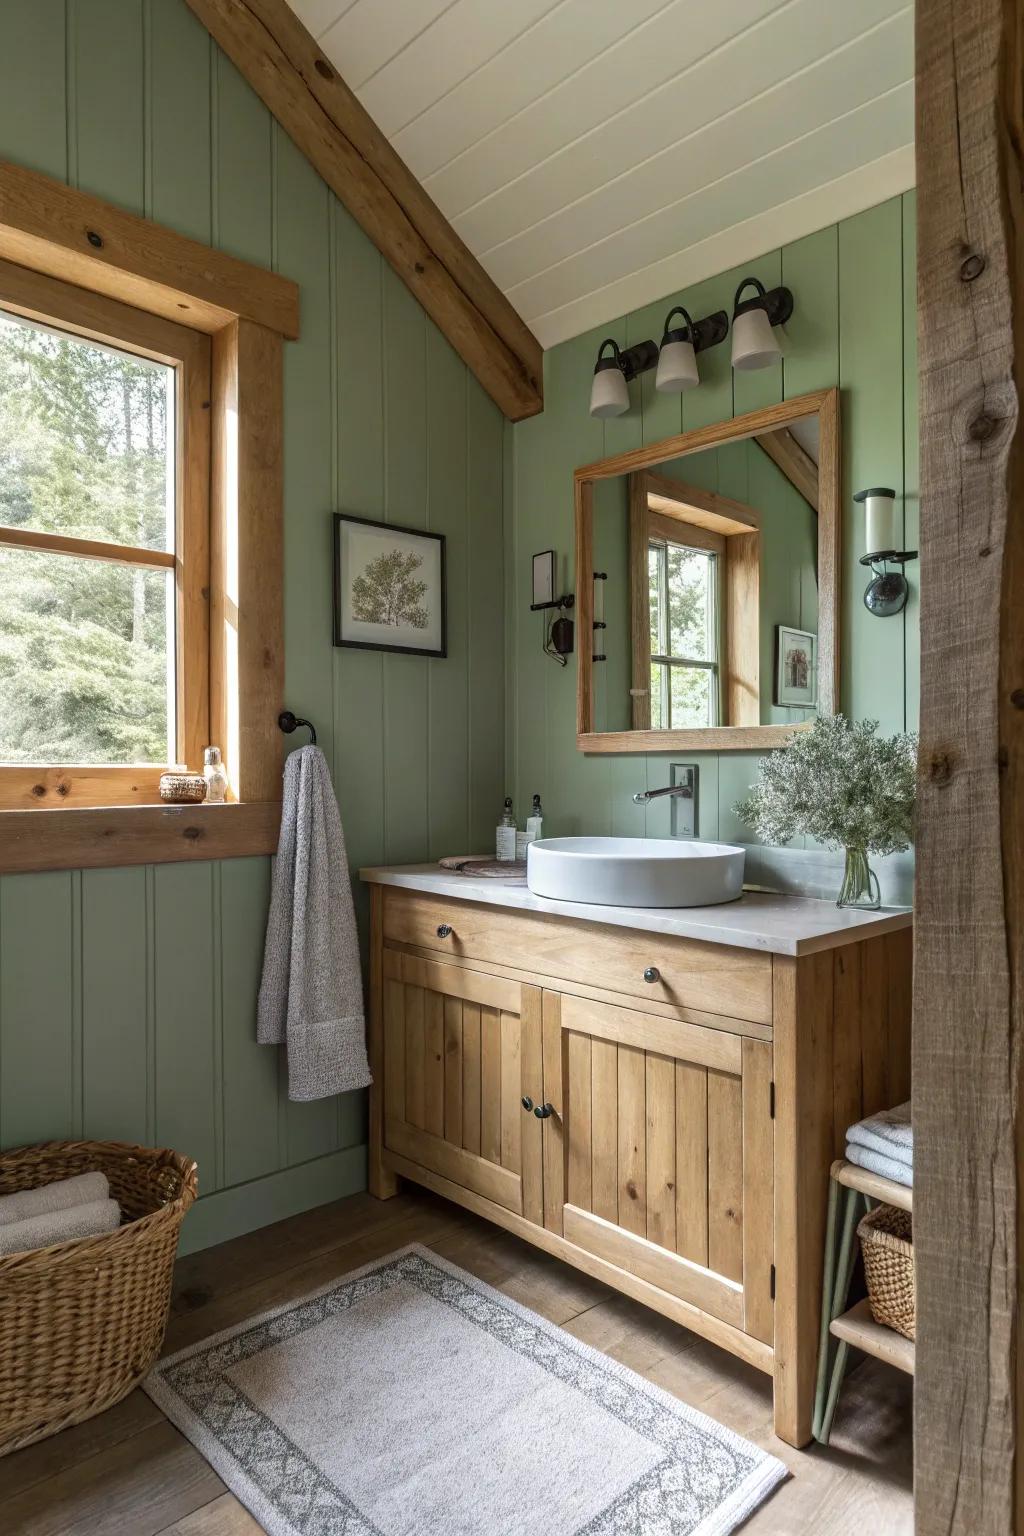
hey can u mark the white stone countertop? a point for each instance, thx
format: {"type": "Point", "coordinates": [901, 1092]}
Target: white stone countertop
{"type": "Point", "coordinates": [779, 925]}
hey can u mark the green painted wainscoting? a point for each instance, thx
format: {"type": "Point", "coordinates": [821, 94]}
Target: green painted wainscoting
{"type": "Point", "coordinates": [127, 995]}
{"type": "Point", "coordinates": [854, 325]}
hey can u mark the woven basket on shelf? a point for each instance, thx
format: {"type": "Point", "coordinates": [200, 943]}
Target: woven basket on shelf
{"type": "Point", "coordinates": [886, 1241]}
{"type": "Point", "coordinates": [82, 1322]}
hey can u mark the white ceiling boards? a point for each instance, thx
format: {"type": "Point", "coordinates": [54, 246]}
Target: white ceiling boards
{"type": "Point", "coordinates": [596, 155]}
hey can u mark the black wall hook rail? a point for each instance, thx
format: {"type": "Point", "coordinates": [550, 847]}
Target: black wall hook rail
{"type": "Point", "coordinates": [289, 722]}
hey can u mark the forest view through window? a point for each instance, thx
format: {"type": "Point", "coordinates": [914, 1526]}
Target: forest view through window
{"type": "Point", "coordinates": [683, 598]}
{"type": "Point", "coordinates": [87, 636]}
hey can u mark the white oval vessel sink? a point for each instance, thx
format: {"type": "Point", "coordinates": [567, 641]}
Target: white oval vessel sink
{"type": "Point", "coordinates": [635, 871]}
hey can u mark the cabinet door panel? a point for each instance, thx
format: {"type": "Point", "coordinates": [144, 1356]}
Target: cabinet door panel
{"type": "Point", "coordinates": [668, 1156]}
{"type": "Point", "coordinates": [460, 1053]}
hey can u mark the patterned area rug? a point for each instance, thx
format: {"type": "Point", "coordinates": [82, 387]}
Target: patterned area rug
{"type": "Point", "coordinates": [410, 1399]}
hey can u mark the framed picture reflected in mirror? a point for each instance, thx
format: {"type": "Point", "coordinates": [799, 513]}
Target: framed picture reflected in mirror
{"type": "Point", "coordinates": [796, 667]}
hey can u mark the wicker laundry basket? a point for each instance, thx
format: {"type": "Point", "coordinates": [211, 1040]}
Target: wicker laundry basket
{"type": "Point", "coordinates": [886, 1242]}
{"type": "Point", "coordinates": [82, 1322]}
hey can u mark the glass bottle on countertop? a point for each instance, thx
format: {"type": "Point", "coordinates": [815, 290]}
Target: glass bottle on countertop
{"type": "Point", "coordinates": [215, 775]}
{"type": "Point", "coordinates": [505, 835]}
{"type": "Point", "coordinates": [535, 821]}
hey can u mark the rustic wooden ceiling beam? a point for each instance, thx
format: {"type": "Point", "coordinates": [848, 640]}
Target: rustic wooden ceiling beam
{"type": "Point", "coordinates": [57, 230]}
{"type": "Point", "coordinates": [794, 461]}
{"type": "Point", "coordinates": [269, 45]}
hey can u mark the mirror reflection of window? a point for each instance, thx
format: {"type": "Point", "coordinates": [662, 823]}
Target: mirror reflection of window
{"type": "Point", "coordinates": [684, 607]}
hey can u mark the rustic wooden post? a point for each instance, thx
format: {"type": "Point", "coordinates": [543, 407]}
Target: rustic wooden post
{"type": "Point", "coordinates": [968, 1128]}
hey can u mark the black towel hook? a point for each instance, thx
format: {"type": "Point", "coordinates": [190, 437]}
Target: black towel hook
{"type": "Point", "coordinates": [289, 722]}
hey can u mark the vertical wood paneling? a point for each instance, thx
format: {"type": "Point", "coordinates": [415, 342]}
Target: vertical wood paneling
{"type": "Point", "coordinates": [415, 1057]}
{"type": "Point", "coordinates": [511, 1093]}
{"type": "Point", "coordinates": [604, 1066]}
{"type": "Point", "coordinates": [486, 685]}
{"type": "Point", "coordinates": [911, 478]}
{"type": "Point", "coordinates": [725, 1175]}
{"type": "Point", "coordinates": [871, 376]}
{"type": "Point", "coordinates": [632, 1140]}
{"type": "Point", "coordinates": [490, 1084]}
{"type": "Point", "coordinates": [661, 1150]}
{"type": "Point", "coordinates": [448, 693]}
{"type": "Point", "coordinates": [37, 1067]}
{"type": "Point", "coordinates": [115, 1005]}
{"type": "Point", "coordinates": [178, 120]}
{"type": "Point", "coordinates": [692, 1162]}
{"type": "Point", "coordinates": [33, 108]}
{"type": "Point", "coordinates": [188, 1066]}
{"type": "Point", "coordinates": [453, 1070]}
{"type": "Point", "coordinates": [110, 127]}
{"type": "Point", "coordinates": [579, 1185]}
{"type": "Point", "coordinates": [433, 1063]}
{"type": "Point", "coordinates": [472, 1069]}
{"type": "Point", "coordinates": [251, 1101]}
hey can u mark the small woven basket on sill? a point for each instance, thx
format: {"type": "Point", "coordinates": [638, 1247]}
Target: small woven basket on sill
{"type": "Point", "coordinates": [82, 1322]}
{"type": "Point", "coordinates": [886, 1242]}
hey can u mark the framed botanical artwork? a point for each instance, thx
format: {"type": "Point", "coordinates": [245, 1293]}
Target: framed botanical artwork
{"type": "Point", "coordinates": [389, 587]}
{"type": "Point", "coordinates": [796, 667]}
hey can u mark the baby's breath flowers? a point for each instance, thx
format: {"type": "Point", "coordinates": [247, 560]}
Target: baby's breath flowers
{"type": "Point", "coordinates": [839, 783]}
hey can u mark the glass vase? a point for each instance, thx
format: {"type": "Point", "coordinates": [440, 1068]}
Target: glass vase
{"type": "Point", "coordinates": [860, 884]}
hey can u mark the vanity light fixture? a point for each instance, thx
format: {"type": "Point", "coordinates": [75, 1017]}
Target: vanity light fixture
{"type": "Point", "coordinates": [677, 359]}
{"type": "Point", "coordinates": [754, 344]}
{"type": "Point", "coordinates": [887, 592]}
{"type": "Point", "coordinates": [608, 393]}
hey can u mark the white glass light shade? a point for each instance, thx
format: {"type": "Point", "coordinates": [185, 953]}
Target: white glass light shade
{"type": "Point", "coordinates": [608, 393]}
{"type": "Point", "coordinates": [879, 520]}
{"type": "Point", "coordinates": [677, 368]}
{"type": "Point", "coordinates": [753, 340]}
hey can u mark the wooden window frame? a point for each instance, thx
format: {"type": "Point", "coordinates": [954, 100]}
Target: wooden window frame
{"type": "Point", "coordinates": [92, 317]}
{"type": "Point", "coordinates": [822, 403]}
{"type": "Point", "coordinates": [134, 282]}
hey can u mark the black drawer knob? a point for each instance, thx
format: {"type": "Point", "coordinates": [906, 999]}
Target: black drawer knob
{"type": "Point", "coordinates": [527, 1103]}
{"type": "Point", "coordinates": [543, 1111]}
{"type": "Point", "coordinates": [444, 930]}
{"type": "Point", "coordinates": [652, 973]}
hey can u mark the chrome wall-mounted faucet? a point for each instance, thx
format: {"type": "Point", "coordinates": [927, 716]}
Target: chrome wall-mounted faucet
{"type": "Point", "coordinates": [683, 792]}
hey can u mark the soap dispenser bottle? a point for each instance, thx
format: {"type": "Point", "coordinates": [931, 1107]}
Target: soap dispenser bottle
{"type": "Point", "coordinates": [535, 821]}
{"type": "Point", "coordinates": [505, 835]}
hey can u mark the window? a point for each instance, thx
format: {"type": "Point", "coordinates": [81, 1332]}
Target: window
{"type": "Point", "coordinates": [104, 550]}
{"type": "Point", "coordinates": [683, 595]}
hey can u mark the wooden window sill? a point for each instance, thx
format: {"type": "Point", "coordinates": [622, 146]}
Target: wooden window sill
{"type": "Point", "coordinates": [135, 834]}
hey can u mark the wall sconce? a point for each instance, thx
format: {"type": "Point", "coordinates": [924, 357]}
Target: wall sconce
{"type": "Point", "coordinates": [754, 344]}
{"type": "Point", "coordinates": [887, 592]}
{"type": "Point", "coordinates": [558, 632]}
{"type": "Point", "coordinates": [677, 359]}
{"type": "Point", "coordinates": [608, 393]}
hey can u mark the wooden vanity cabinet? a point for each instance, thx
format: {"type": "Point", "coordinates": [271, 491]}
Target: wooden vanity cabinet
{"type": "Point", "coordinates": [687, 1119]}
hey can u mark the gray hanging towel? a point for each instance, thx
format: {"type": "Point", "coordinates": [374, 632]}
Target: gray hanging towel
{"type": "Point", "coordinates": [311, 994]}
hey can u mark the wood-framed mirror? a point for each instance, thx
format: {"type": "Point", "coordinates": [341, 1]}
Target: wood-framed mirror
{"type": "Point", "coordinates": [715, 558]}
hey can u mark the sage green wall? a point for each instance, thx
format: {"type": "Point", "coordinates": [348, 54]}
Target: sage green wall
{"type": "Point", "coordinates": [127, 995]}
{"type": "Point", "coordinates": [853, 325]}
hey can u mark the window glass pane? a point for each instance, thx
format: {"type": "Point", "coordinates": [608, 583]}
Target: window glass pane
{"type": "Point", "coordinates": [692, 696]}
{"type": "Point", "coordinates": [86, 438]}
{"type": "Point", "coordinates": [691, 602]}
{"type": "Point", "coordinates": [85, 675]}
{"type": "Point", "coordinates": [655, 553]}
{"type": "Point", "coordinates": [659, 695]}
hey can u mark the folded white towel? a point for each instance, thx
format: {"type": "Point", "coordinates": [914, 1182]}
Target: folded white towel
{"type": "Point", "coordinates": [888, 1133]}
{"type": "Point", "coordinates": [56, 1196]}
{"type": "Point", "coordinates": [874, 1162]}
{"type": "Point", "coordinates": [60, 1226]}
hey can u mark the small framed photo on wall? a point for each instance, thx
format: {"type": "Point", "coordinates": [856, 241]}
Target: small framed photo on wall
{"type": "Point", "coordinates": [389, 588]}
{"type": "Point", "coordinates": [796, 667]}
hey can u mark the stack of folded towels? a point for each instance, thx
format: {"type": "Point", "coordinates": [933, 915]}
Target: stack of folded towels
{"type": "Point", "coordinates": [57, 1213]}
{"type": "Point", "coordinates": [884, 1143]}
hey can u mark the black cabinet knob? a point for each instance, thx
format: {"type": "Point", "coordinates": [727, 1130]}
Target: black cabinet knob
{"type": "Point", "coordinates": [527, 1103]}
{"type": "Point", "coordinates": [543, 1111]}
{"type": "Point", "coordinates": [652, 973]}
{"type": "Point", "coordinates": [444, 930]}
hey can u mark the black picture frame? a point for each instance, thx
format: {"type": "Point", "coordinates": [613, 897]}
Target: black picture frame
{"type": "Point", "coordinates": [341, 518]}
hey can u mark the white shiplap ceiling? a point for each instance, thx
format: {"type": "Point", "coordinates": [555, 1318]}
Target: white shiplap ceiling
{"type": "Point", "coordinates": [596, 155]}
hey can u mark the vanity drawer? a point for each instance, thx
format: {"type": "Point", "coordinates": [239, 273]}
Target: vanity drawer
{"type": "Point", "coordinates": [684, 973]}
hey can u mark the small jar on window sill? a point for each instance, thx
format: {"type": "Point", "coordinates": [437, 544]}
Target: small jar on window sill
{"type": "Point", "coordinates": [215, 775]}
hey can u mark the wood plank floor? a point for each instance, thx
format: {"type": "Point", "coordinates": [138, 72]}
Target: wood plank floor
{"type": "Point", "coordinates": [130, 1473]}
